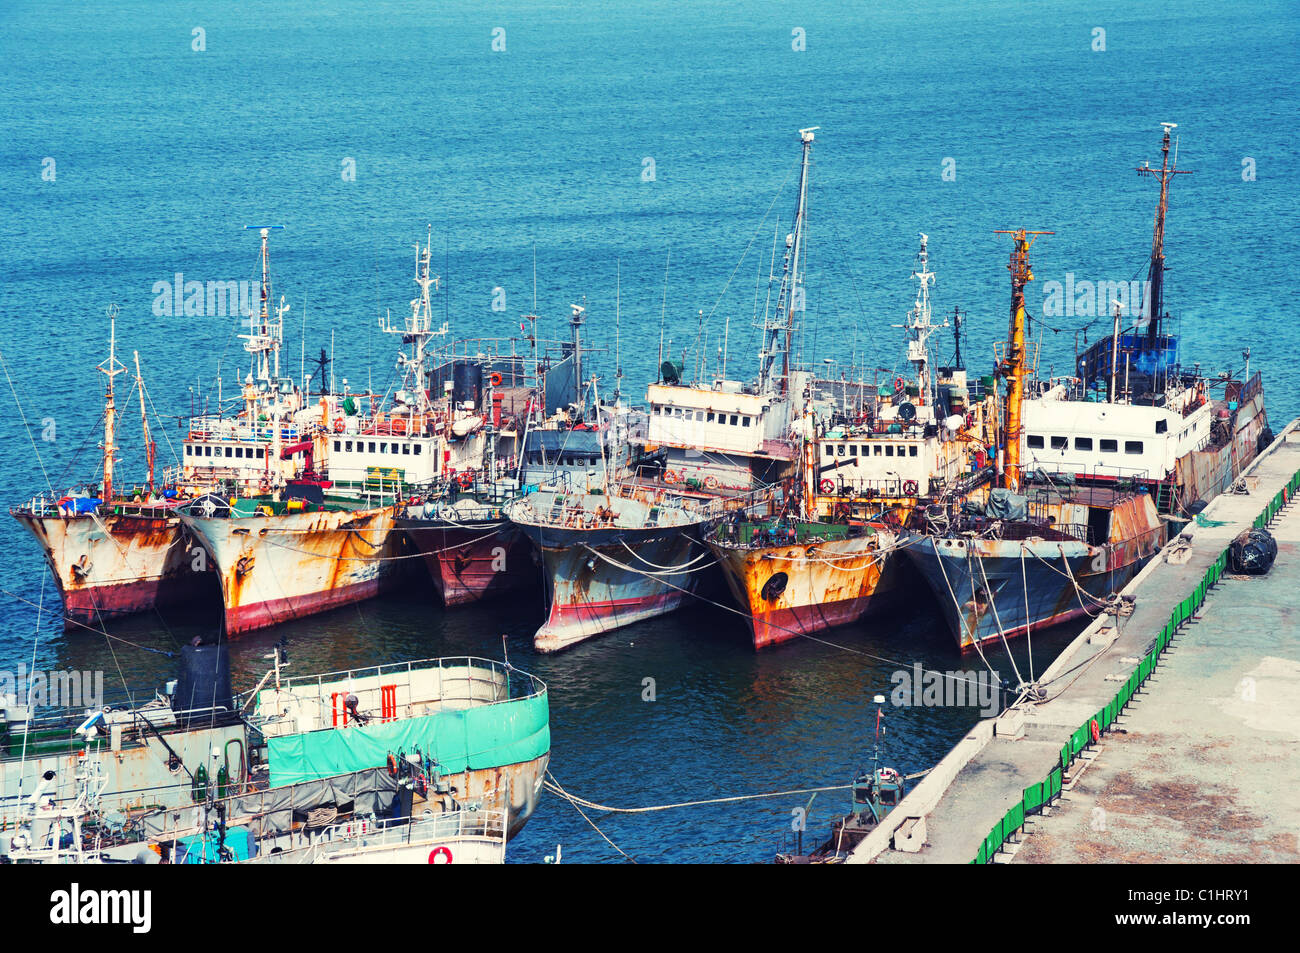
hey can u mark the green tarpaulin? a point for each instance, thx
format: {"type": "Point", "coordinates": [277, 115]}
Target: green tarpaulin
{"type": "Point", "coordinates": [487, 736]}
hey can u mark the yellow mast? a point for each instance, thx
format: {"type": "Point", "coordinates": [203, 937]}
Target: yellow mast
{"type": "Point", "coordinates": [1013, 366]}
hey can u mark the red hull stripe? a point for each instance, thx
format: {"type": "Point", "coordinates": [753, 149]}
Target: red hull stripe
{"type": "Point", "coordinates": [261, 615]}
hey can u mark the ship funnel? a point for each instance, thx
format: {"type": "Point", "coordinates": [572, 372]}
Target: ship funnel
{"type": "Point", "coordinates": [203, 687]}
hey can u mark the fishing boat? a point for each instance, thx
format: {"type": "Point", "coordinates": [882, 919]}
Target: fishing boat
{"type": "Point", "coordinates": [318, 530]}
{"type": "Point", "coordinates": [875, 793]}
{"type": "Point", "coordinates": [458, 523]}
{"type": "Point", "coordinates": [826, 558]}
{"type": "Point", "coordinates": [127, 755]}
{"type": "Point", "coordinates": [114, 553]}
{"type": "Point", "coordinates": [611, 556]}
{"type": "Point", "coordinates": [283, 559]}
{"type": "Point", "coordinates": [1135, 413]}
{"type": "Point", "coordinates": [1001, 562]}
{"type": "Point", "coordinates": [725, 437]}
{"type": "Point", "coordinates": [440, 760]}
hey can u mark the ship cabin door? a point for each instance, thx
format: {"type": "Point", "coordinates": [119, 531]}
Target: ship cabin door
{"type": "Point", "coordinates": [1098, 525]}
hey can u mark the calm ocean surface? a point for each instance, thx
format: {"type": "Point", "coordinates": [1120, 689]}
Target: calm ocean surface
{"type": "Point", "coordinates": [160, 154]}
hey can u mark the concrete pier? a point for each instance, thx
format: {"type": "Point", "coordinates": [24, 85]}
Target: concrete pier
{"type": "Point", "coordinates": [1200, 764]}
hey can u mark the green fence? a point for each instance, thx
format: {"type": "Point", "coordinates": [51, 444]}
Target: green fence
{"type": "Point", "coordinates": [1037, 796]}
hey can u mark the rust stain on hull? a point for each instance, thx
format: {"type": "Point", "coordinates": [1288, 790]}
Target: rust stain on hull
{"type": "Point", "coordinates": [794, 590]}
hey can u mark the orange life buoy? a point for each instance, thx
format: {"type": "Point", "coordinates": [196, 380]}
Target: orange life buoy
{"type": "Point", "coordinates": [392, 765]}
{"type": "Point", "coordinates": [1096, 730]}
{"type": "Point", "coordinates": [440, 852]}
{"type": "Point", "coordinates": [496, 379]}
{"type": "Point", "coordinates": [899, 383]}
{"type": "Point", "coordinates": [827, 486]}
{"type": "Point", "coordinates": [399, 425]}
{"type": "Point", "coordinates": [339, 425]}
{"type": "Point", "coordinates": [670, 477]}
{"type": "Point", "coordinates": [467, 478]}
{"type": "Point", "coordinates": [910, 488]}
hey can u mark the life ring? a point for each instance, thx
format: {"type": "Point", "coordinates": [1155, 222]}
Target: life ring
{"type": "Point", "coordinates": [467, 478]}
{"type": "Point", "coordinates": [670, 477]}
{"type": "Point", "coordinates": [711, 482]}
{"type": "Point", "coordinates": [1096, 730]}
{"type": "Point", "coordinates": [339, 425]}
{"type": "Point", "coordinates": [392, 764]}
{"type": "Point", "coordinates": [827, 486]}
{"type": "Point", "coordinates": [899, 383]}
{"type": "Point", "coordinates": [496, 379]}
{"type": "Point", "coordinates": [910, 488]}
{"type": "Point", "coordinates": [265, 486]}
{"type": "Point", "coordinates": [440, 852]}
{"type": "Point", "coordinates": [398, 425]}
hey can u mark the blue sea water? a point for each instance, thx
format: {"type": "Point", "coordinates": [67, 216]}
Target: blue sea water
{"type": "Point", "coordinates": [161, 153]}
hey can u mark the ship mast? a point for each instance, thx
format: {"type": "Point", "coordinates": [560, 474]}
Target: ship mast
{"type": "Point", "coordinates": [150, 448]}
{"type": "Point", "coordinates": [1013, 365]}
{"type": "Point", "coordinates": [110, 368]}
{"type": "Point", "coordinates": [918, 326]}
{"type": "Point", "coordinates": [575, 327]}
{"type": "Point", "coordinates": [790, 299]}
{"type": "Point", "coordinates": [262, 342]}
{"type": "Point", "coordinates": [418, 328]}
{"type": "Point", "coordinates": [1156, 271]}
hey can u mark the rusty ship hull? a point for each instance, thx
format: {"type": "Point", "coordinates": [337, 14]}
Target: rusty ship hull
{"type": "Point", "coordinates": [641, 560]}
{"type": "Point", "coordinates": [119, 564]}
{"type": "Point", "coordinates": [1204, 474]}
{"type": "Point", "coordinates": [808, 586]}
{"type": "Point", "coordinates": [277, 568]}
{"type": "Point", "coordinates": [468, 561]}
{"type": "Point", "coordinates": [990, 589]}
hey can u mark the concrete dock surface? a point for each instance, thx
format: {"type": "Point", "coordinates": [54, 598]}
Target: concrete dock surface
{"type": "Point", "coordinates": [1202, 765]}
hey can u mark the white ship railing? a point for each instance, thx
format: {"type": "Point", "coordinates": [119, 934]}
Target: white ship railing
{"type": "Point", "coordinates": [387, 693]}
{"type": "Point", "coordinates": [361, 836]}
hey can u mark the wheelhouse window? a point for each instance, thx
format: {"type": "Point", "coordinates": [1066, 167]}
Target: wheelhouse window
{"type": "Point", "coordinates": [1109, 446]}
{"type": "Point", "coordinates": [1132, 446]}
{"type": "Point", "coordinates": [1162, 426]}
{"type": "Point", "coordinates": [1060, 443]}
{"type": "Point", "coordinates": [1035, 442]}
{"type": "Point", "coordinates": [1083, 443]}
{"type": "Point", "coordinates": [911, 451]}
